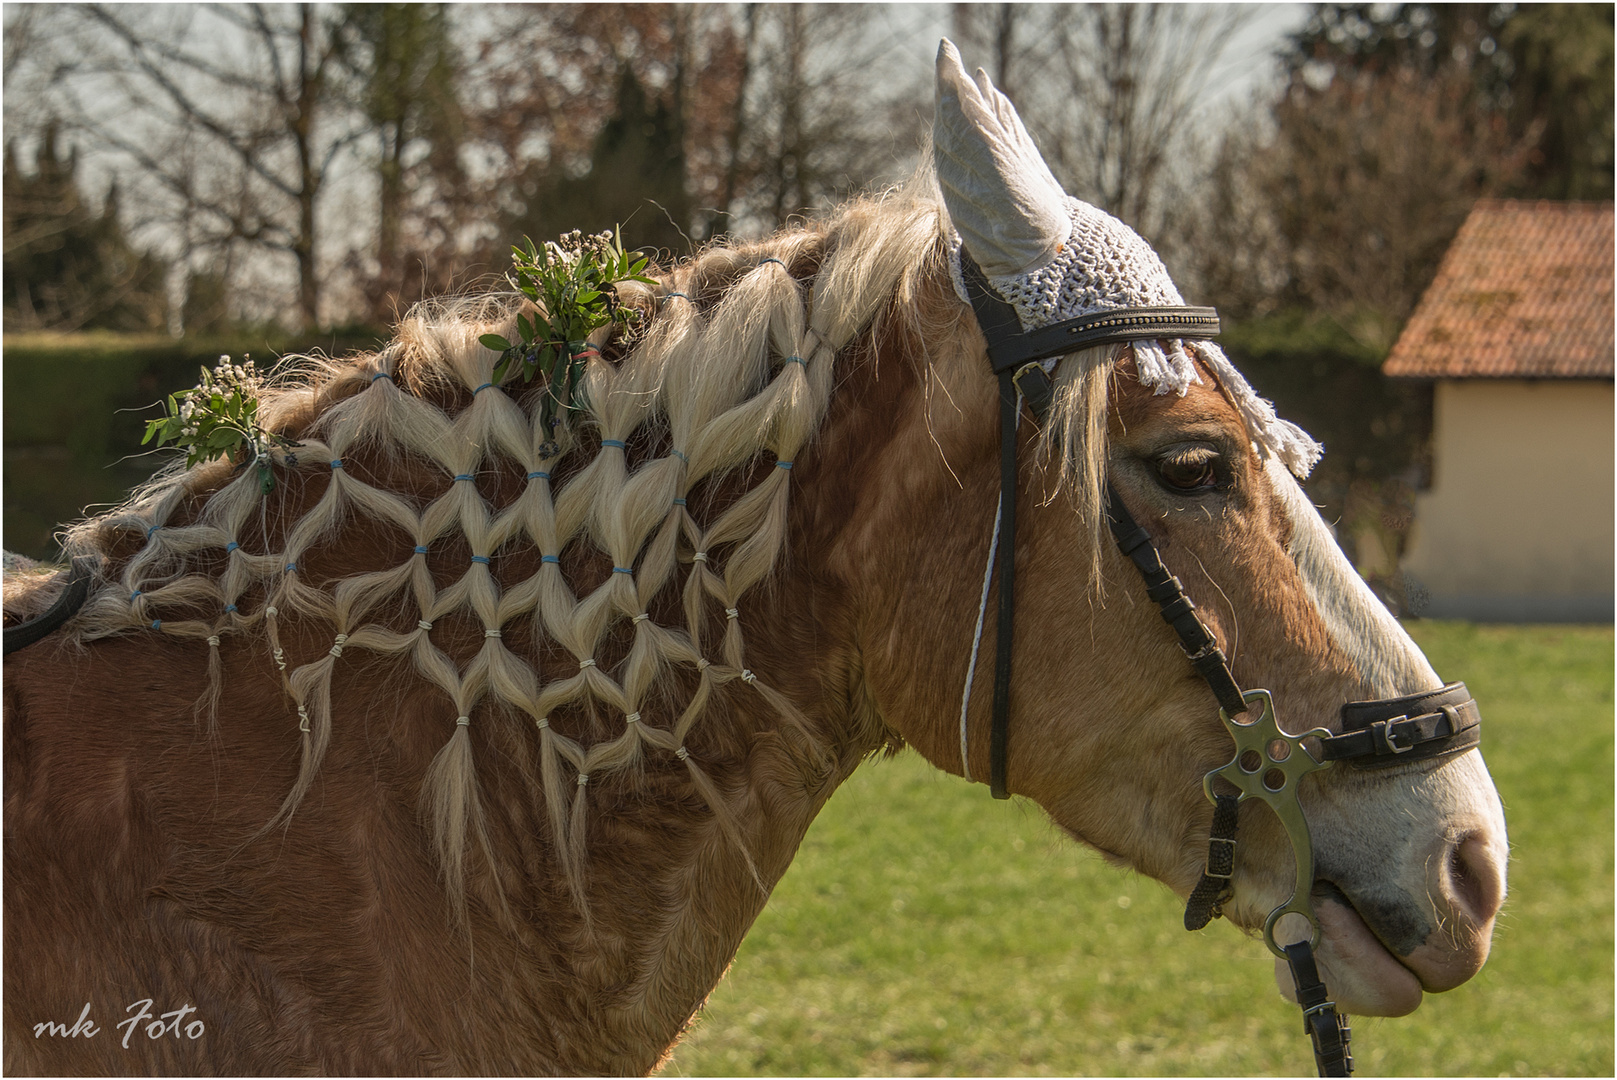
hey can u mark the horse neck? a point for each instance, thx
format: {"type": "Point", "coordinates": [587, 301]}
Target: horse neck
{"type": "Point", "coordinates": [667, 892]}
{"type": "Point", "coordinates": [814, 636]}
{"type": "Point", "coordinates": [899, 515]}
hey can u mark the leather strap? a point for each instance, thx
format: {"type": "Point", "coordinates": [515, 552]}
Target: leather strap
{"type": "Point", "coordinates": [1122, 324]}
{"type": "Point", "coordinates": [1005, 625]}
{"type": "Point", "coordinates": [1009, 346]}
{"type": "Point", "coordinates": [1393, 731]}
{"type": "Point", "coordinates": [1328, 1029]}
{"type": "Point", "coordinates": [997, 320]}
{"type": "Point", "coordinates": [1178, 610]}
{"type": "Point", "coordinates": [65, 606]}
{"type": "Point", "coordinates": [1015, 355]}
{"type": "Point", "coordinates": [1214, 888]}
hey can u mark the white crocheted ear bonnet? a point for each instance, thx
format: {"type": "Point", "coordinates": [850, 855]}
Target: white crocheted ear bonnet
{"type": "Point", "coordinates": [1055, 258]}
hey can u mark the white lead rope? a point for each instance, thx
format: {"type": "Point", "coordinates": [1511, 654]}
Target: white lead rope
{"type": "Point", "coordinates": [977, 640]}
{"type": "Point", "coordinates": [982, 612]}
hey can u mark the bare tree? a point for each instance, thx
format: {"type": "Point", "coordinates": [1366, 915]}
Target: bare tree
{"type": "Point", "coordinates": [1343, 197]}
{"type": "Point", "coordinates": [1008, 39]}
{"type": "Point", "coordinates": [240, 147]}
{"type": "Point", "coordinates": [1111, 92]}
{"type": "Point", "coordinates": [399, 68]}
{"type": "Point", "coordinates": [279, 154]}
{"type": "Point", "coordinates": [827, 112]}
{"type": "Point", "coordinates": [737, 118]}
{"type": "Point", "coordinates": [779, 108]}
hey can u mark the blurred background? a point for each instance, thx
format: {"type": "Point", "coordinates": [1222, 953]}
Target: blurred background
{"type": "Point", "coordinates": [182, 181]}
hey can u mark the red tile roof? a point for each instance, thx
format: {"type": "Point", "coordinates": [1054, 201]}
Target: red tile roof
{"type": "Point", "coordinates": [1525, 291]}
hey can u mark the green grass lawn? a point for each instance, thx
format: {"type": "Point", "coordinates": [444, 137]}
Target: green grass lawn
{"type": "Point", "coordinates": [927, 930]}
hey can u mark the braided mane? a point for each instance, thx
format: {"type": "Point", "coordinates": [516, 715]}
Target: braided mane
{"type": "Point", "coordinates": [680, 466]}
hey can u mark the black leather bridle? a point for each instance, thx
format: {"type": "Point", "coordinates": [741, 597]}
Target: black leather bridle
{"type": "Point", "coordinates": [1269, 763]}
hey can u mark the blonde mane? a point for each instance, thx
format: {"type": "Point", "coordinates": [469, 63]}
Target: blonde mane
{"type": "Point", "coordinates": [737, 359]}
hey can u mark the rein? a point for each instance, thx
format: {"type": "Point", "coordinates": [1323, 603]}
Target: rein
{"type": "Point", "coordinates": [1269, 764]}
{"type": "Point", "coordinates": [65, 606]}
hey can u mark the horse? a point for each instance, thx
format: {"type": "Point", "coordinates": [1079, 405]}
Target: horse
{"type": "Point", "coordinates": [476, 744]}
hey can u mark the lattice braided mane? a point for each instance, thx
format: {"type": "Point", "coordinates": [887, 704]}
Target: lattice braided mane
{"type": "Point", "coordinates": [738, 359]}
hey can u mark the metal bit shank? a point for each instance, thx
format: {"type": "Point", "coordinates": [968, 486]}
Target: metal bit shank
{"type": "Point", "coordinates": [1282, 762]}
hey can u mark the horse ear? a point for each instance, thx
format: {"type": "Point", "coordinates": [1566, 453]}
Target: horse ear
{"type": "Point", "coordinates": [1009, 210]}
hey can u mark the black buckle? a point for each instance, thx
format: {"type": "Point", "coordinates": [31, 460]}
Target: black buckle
{"type": "Point", "coordinates": [1038, 390]}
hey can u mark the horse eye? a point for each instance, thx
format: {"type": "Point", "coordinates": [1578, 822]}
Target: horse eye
{"type": "Point", "coordinates": [1190, 470]}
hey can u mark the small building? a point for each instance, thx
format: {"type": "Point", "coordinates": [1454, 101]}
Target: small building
{"type": "Point", "coordinates": [1516, 334]}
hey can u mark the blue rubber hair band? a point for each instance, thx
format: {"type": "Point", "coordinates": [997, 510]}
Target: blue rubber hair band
{"type": "Point", "coordinates": [783, 465]}
{"type": "Point", "coordinates": [133, 595]}
{"type": "Point", "coordinates": [419, 550]}
{"type": "Point", "coordinates": [291, 568]}
{"type": "Point", "coordinates": [679, 502]}
{"type": "Point", "coordinates": [550, 559]}
{"type": "Point", "coordinates": [151, 530]}
{"type": "Point", "coordinates": [336, 463]}
{"type": "Point", "coordinates": [794, 360]}
{"type": "Point", "coordinates": [232, 546]}
{"type": "Point", "coordinates": [671, 295]}
{"type": "Point", "coordinates": [681, 456]}
{"type": "Point", "coordinates": [230, 609]}
{"type": "Point", "coordinates": [382, 375]}
{"type": "Point", "coordinates": [480, 558]}
{"type": "Point", "coordinates": [540, 475]}
{"type": "Point", "coordinates": [464, 476]}
{"type": "Point", "coordinates": [772, 259]}
{"type": "Point", "coordinates": [619, 443]}
{"type": "Point", "coordinates": [480, 389]}
{"type": "Point", "coordinates": [623, 569]}
{"type": "Point", "coordinates": [157, 624]}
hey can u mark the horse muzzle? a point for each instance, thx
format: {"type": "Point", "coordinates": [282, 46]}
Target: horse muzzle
{"type": "Point", "coordinates": [1411, 878]}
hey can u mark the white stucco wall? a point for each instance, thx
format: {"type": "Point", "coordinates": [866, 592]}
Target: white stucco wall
{"type": "Point", "coordinates": [1517, 524]}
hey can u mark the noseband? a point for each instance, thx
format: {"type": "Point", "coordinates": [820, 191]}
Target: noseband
{"type": "Point", "coordinates": [1269, 764]}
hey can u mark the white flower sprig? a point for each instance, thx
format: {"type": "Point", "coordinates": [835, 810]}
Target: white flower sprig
{"type": "Point", "coordinates": [573, 283]}
{"type": "Point", "coordinates": [219, 418]}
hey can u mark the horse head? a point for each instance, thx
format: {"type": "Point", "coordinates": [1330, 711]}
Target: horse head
{"type": "Point", "coordinates": [1111, 730]}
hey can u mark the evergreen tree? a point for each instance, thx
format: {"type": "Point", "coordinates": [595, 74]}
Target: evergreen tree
{"type": "Point", "coordinates": [636, 179]}
{"type": "Point", "coordinates": [403, 75]}
{"type": "Point", "coordinates": [66, 267]}
{"type": "Point", "coordinates": [1541, 74]}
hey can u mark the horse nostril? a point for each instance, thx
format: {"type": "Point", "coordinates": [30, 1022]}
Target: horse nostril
{"type": "Point", "coordinates": [1476, 879]}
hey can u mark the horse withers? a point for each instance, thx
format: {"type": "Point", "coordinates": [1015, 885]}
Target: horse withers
{"type": "Point", "coordinates": [476, 744]}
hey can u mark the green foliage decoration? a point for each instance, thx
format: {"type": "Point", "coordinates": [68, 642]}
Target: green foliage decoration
{"type": "Point", "coordinates": [219, 418]}
{"type": "Point", "coordinates": [574, 284]}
